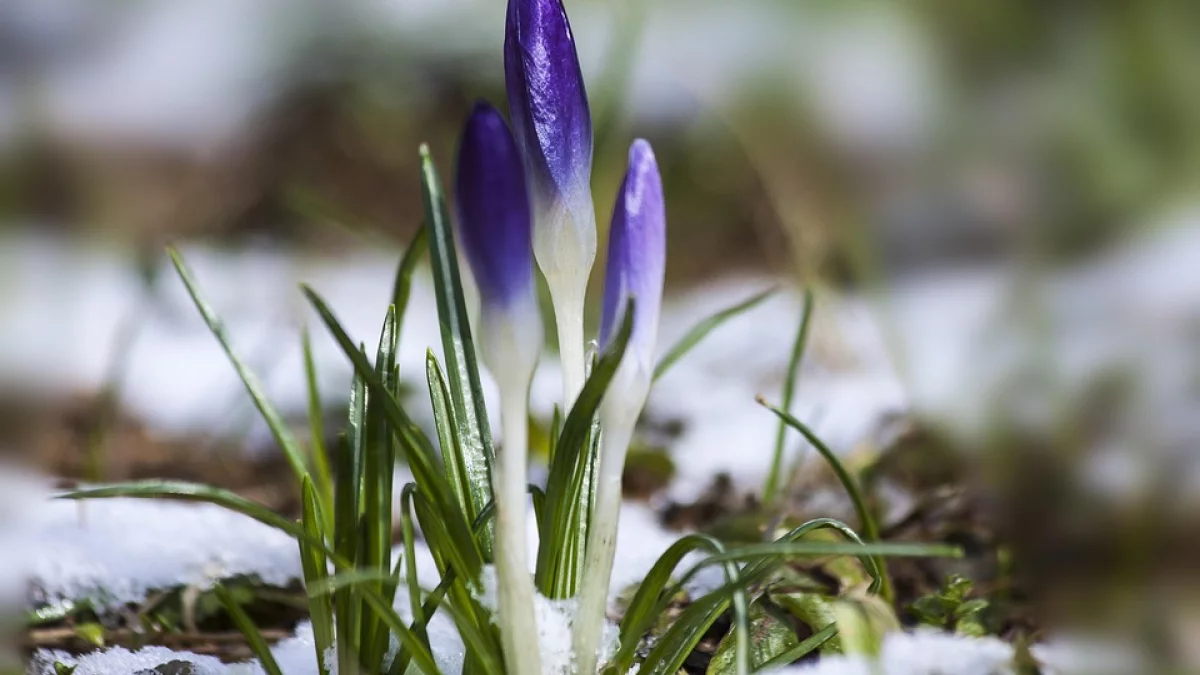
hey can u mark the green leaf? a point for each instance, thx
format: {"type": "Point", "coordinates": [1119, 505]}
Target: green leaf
{"type": "Point", "coordinates": [61, 668]}
{"type": "Point", "coordinates": [770, 490]}
{"type": "Point", "coordinates": [253, 637]}
{"type": "Point", "coordinates": [652, 596]}
{"type": "Point", "coordinates": [182, 491]}
{"type": "Point", "coordinates": [408, 535]}
{"type": "Point", "coordinates": [378, 469]}
{"type": "Point", "coordinates": [416, 446]}
{"type": "Point", "coordinates": [364, 579]}
{"type": "Point", "coordinates": [801, 650]}
{"type": "Point", "coordinates": [446, 424]}
{"type": "Point", "coordinates": [814, 610]}
{"type": "Point", "coordinates": [769, 637]}
{"type": "Point", "coordinates": [863, 622]}
{"type": "Point", "coordinates": [91, 633]}
{"type": "Point", "coordinates": [865, 517]}
{"type": "Point", "coordinates": [316, 422]}
{"type": "Point", "coordinates": [315, 565]}
{"type": "Point", "coordinates": [279, 430]}
{"type": "Point", "coordinates": [402, 286]}
{"type": "Point", "coordinates": [466, 395]}
{"type": "Point", "coordinates": [560, 553]}
{"type": "Point", "coordinates": [669, 653]}
{"type": "Point", "coordinates": [702, 329]}
{"type": "Point", "coordinates": [347, 499]}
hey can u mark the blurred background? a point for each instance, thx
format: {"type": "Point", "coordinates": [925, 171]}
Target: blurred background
{"type": "Point", "coordinates": [1009, 189]}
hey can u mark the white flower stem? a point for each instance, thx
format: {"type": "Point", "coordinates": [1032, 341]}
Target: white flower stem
{"type": "Point", "coordinates": [602, 543]}
{"type": "Point", "coordinates": [515, 587]}
{"type": "Point", "coordinates": [568, 317]}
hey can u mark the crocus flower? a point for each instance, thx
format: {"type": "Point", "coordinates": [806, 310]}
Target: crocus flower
{"type": "Point", "coordinates": [494, 221]}
{"type": "Point", "coordinates": [553, 127]}
{"type": "Point", "coordinates": [636, 261]}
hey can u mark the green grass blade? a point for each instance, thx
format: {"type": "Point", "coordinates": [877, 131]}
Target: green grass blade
{"type": "Point", "coordinates": [408, 534]}
{"type": "Point", "coordinates": [559, 553]}
{"type": "Point", "coordinates": [771, 489]}
{"type": "Point", "coordinates": [254, 638]}
{"type": "Point", "coordinates": [279, 430]}
{"type": "Point", "coordinates": [193, 492]}
{"type": "Point", "coordinates": [466, 395]}
{"type": "Point", "coordinates": [378, 468]}
{"type": "Point", "coordinates": [785, 550]}
{"type": "Point", "coordinates": [316, 423]}
{"type": "Point", "coordinates": [652, 597]}
{"type": "Point", "coordinates": [446, 424]}
{"type": "Point", "coordinates": [347, 505]}
{"type": "Point", "coordinates": [417, 449]}
{"type": "Point", "coordinates": [364, 580]}
{"type": "Point", "coordinates": [669, 653]}
{"type": "Point", "coordinates": [702, 329]}
{"type": "Point", "coordinates": [315, 565]}
{"type": "Point", "coordinates": [866, 518]}
{"type": "Point", "coordinates": [402, 286]}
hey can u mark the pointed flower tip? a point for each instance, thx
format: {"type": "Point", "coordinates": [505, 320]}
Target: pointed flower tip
{"type": "Point", "coordinates": [547, 100]}
{"type": "Point", "coordinates": [493, 210]}
{"type": "Point", "coordinates": [636, 253]}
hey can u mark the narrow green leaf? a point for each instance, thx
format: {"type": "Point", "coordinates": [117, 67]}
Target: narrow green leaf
{"type": "Point", "coordinates": [771, 489]}
{"type": "Point", "coordinates": [668, 654]}
{"type": "Point", "coordinates": [316, 422]}
{"type": "Point", "coordinates": [402, 286]}
{"type": "Point", "coordinates": [192, 492]}
{"type": "Point", "coordinates": [315, 565]}
{"type": "Point", "coordinates": [279, 430]}
{"type": "Point", "coordinates": [347, 500]}
{"type": "Point", "coordinates": [653, 596]}
{"type": "Point", "coordinates": [784, 550]}
{"type": "Point", "coordinates": [865, 517]}
{"type": "Point", "coordinates": [364, 579]}
{"type": "Point", "coordinates": [702, 329]}
{"type": "Point", "coordinates": [446, 424]}
{"type": "Point", "coordinates": [253, 637]}
{"type": "Point", "coordinates": [378, 468]}
{"type": "Point", "coordinates": [560, 554]}
{"type": "Point", "coordinates": [466, 395]}
{"type": "Point", "coordinates": [416, 446]}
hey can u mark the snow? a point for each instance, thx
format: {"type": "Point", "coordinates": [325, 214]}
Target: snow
{"type": "Point", "coordinates": [920, 653]}
{"type": "Point", "coordinates": [116, 551]}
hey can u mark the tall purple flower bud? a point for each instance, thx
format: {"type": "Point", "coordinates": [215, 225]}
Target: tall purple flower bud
{"type": "Point", "coordinates": [636, 261]}
{"type": "Point", "coordinates": [494, 221]}
{"type": "Point", "coordinates": [495, 227]}
{"type": "Point", "coordinates": [553, 127]}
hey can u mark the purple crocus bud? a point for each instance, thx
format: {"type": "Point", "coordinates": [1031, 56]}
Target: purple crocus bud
{"type": "Point", "coordinates": [553, 127]}
{"type": "Point", "coordinates": [494, 226]}
{"type": "Point", "coordinates": [636, 260]}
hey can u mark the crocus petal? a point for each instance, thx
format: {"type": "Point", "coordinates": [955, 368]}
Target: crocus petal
{"type": "Point", "coordinates": [636, 256]}
{"type": "Point", "coordinates": [548, 104]}
{"type": "Point", "coordinates": [493, 210]}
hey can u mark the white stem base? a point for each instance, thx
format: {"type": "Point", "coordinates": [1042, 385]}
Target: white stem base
{"type": "Point", "coordinates": [518, 621]}
{"type": "Point", "coordinates": [568, 317]}
{"type": "Point", "coordinates": [602, 545]}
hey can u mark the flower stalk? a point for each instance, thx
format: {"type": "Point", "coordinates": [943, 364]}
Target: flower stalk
{"type": "Point", "coordinates": [636, 261]}
{"type": "Point", "coordinates": [552, 124]}
{"type": "Point", "coordinates": [494, 219]}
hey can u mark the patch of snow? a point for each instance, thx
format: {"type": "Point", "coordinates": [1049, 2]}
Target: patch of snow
{"type": "Point", "coordinates": [920, 653]}
{"type": "Point", "coordinates": [115, 551]}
